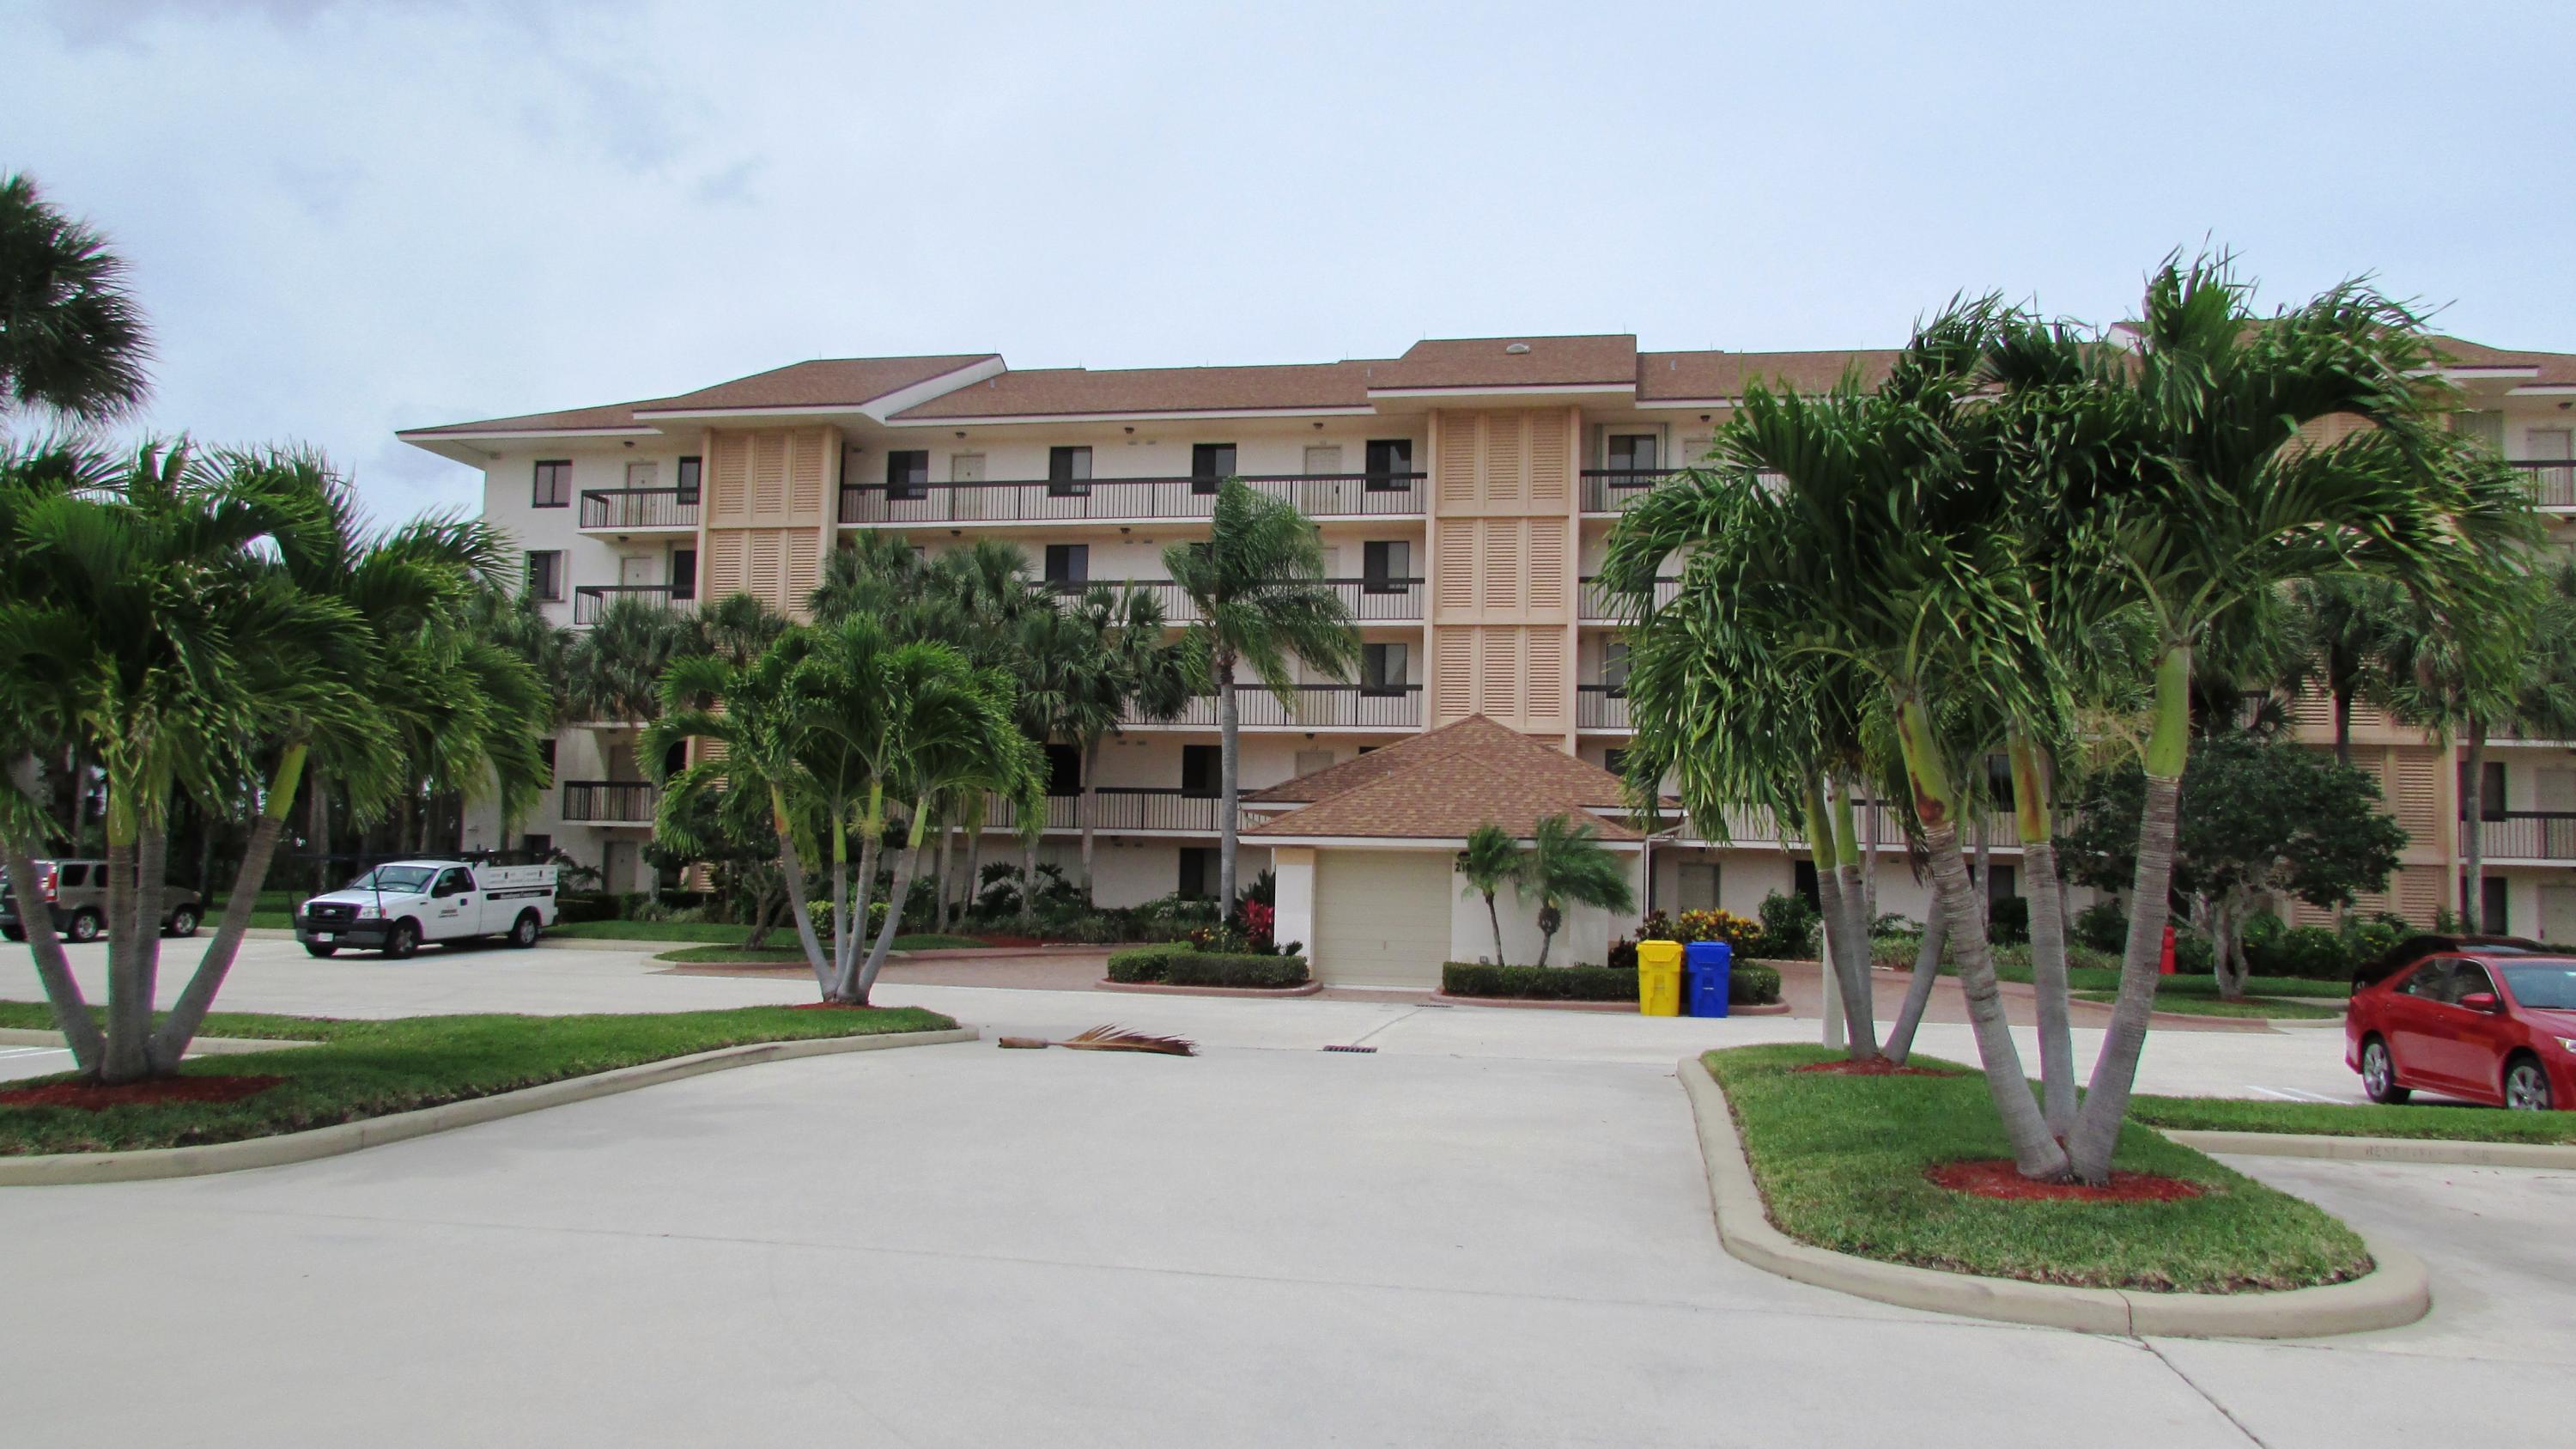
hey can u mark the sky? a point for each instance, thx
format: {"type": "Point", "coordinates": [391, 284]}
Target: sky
{"type": "Point", "coordinates": [346, 217]}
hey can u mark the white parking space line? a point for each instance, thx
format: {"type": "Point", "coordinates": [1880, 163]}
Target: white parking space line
{"type": "Point", "coordinates": [2293, 1094]}
{"type": "Point", "coordinates": [6, 1052]}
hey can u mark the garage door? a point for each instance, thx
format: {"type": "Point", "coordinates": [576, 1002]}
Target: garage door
{"type": "Point", "coordinates": [1381, 917]}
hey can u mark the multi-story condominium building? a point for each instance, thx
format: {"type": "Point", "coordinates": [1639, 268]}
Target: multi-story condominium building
{"type": "Point", "coordinates": [1463, 490]}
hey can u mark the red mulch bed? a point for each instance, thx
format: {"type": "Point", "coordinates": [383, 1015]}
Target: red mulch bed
{"type": "Point", "coordinates": [151, 1093]}
{"type": "Point", "coordinates": [1874, 1067]}
{"type": "Point", "coordinates": [1997, 1178]}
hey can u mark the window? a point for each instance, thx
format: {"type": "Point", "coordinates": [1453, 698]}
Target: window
{"type": "Point", "coordinates": [1068, 563]}
{"type": "Point", "coordinates": [1210, 464]}
{"type": "Point", "coordinates": [1382, 668]}
{"type": "Point", "coordinates": [536, 847]}
{"type": "Point", "coordinates": [1198, 872]}
{"type": "Point", "coordinates": [554, 484]}
{"type": "Point", "coordinates": [1390, 465]}
{"type": "Point", "coordinates": [1804, 883]}
{"type": "Point", "coordinates": [546, 752]}
{"type": "Point", "coordinates": [1614, 667]}
{"type": "Point", "coordinates": [1064, 770]}
{"type": "Point", "coordinates": [452, 882]}
{"type": "Point", "coordinates": [2491, 905]}
{"type": "Point", "coordinates": [1696, 885]}
{"type": "Point", "coordinates": [2490, 790]}
{"type": "Point", "coordinates": [70, 874]}
{"type": "Point", "coordinates": [2001, 883]}
{"type": "Point", "coordinates": [1068, 472]}
{"type": "Point", "coordinates": [908, 474]}
{"type": "Point", "coordinates": [2468, 978]}
{"type": "Point", "coordinates": [684, 573]}
{"type": "Point", "coordinates": [545, 575]}
{"type": "Point", "coordinates": [1615, 761]}
{"type": "Point", "coordinates": [692, 475]}
{"type": "Point", "coordinates": [2428, 982]}
{"type": "Point", "coordinates": [1310, 761]}
{"type": "Point", "coordinates": [1386, 566]}
{"type": "Point", "coordinates": [1633, 452]}
{"type": "Point", "coordinates": [675, 759]}
{"type": "Point", "coordinates": [1999, 780]}
{"type": "Point", "coordinates": [1200, 777]}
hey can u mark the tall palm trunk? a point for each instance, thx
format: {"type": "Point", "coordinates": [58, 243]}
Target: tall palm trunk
{"type": "Point", "coordinates": [907, 863]}
{"type": "Point", "coordinates": [1869, 865]}
{"type": "Point", "coordinates": [1496, 917]}
{"type": "Point", "coordinates": [1918, 991]}
{"type": "Point", "coordinates": [170, 1042]}
{"type": "Point", "coordinates": [1028, 877]}
{"type": "Point", "coordinates": [1860, 1034]}
{"type": "Point", "coordinates": [53, 968]}
{"type": "Point", "coordinates": [80, 803]}
{"type": "Point", "coordinates": [2106, 1100]}
{"type": "Point", "coordinates": [1936, 802]}
{"type": "Point", "coordinates": [1090, 812]}
{"type": "Point", "coordinates": [792, 866]}
{"type": "Point", "coordinates": [2473, 811]}
{"type": "Point", "coordinates": [1228, 723]}
{"type": "Point", "coordinates": [2047, 935]}
{"type": "Point", "coordinates": [317, 832]}
{"type": "Point", "coordinates": [974, 884]}
{"type": "Point", "coordinates": [841, 932]}
{"type": "Point", "coordinates": [939, 903]}
{"type": "Point", "coordinates": [1860, 1007]}
{"type": "Point", "coordinates": [2343, 725]}
{"type": "Point", "coordinates": [129, 1014]}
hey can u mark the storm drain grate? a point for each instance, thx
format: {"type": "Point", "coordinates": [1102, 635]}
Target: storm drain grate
{"type": "Point", "coordinates": [1361, 1049]}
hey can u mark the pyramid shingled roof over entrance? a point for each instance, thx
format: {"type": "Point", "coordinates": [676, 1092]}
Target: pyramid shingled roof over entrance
{"type": "Point", "coordinates": [1444, 784]}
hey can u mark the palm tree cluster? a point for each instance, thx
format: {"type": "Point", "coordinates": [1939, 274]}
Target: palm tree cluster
{"type": "Point", "coordinates": [2023, 540]}
{"type": "Point", "coordinates": [1565, 864]}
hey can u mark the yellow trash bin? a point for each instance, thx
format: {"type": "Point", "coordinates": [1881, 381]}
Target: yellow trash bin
{"type": "Point", "coordinates": [1659, 978]}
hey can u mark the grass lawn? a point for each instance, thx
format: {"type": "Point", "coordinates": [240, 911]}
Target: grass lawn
{"type": "Point", "coordinates": [2196, 995]}
{"type": "Point", "coordinates": [374, 1068]}
{"type": "Point", "coordinates": [2328, 1119]}
{"type": "Point", "coordinates": [730, 935]}
{"type": "Point", "coordinates": [792, 955]}
{"type": "Point", "coordinates": [1840, 1161]}
{"type": "Point", "coordinates": [2189, 1003]}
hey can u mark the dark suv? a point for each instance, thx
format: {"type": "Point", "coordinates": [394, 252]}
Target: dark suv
{"type": "Point", "coordinates": [77, 890]}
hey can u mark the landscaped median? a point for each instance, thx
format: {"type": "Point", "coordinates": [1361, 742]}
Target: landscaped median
{"type": "Point", "coordinates": [1831, 1179]}
{"type": "Point", "coordinates": [361, 1082]}
{"type": "Point", "coordinates": [1751, 987]}
{"type": "Point", "coordinates": [1182, 968]}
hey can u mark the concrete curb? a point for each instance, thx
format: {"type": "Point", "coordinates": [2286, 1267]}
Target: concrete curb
{"type": "Point", "coordinates": [2379, 1149]}
{"type": "Point", "coordinates": [2398, 1291]}
{"type": "Point", "coordinates": [209, 1046]}
{"type": "Point", "coordinates": [212, 1157]}
{"type": "Point", "coordinates": [1160, 988]}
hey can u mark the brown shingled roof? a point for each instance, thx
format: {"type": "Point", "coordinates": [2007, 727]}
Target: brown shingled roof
{"type": "Point", "coordinates": [1063, 391]}
{"type": "Point", "coordinates": [1666, 376]}
{"type": "Point", "coordinates": [2556, 368]}
{"type": "Point", "coordinates": [1444, 784]}
{"type": "Point", "coordinates": [609, 415]}
{"type": "Point", "coordinates": [826, 382]}
{"type": "Point", "coordinates": [1599, 359]}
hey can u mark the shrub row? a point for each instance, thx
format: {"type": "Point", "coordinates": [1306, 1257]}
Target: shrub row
{"type": "Point", "coordinates": [1747, 984]}
{"type": "Point", "coordinates": [1177, 964]}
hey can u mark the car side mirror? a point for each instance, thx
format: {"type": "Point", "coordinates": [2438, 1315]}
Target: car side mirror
{"type": "Point", "coordinates": [2480, 1001]}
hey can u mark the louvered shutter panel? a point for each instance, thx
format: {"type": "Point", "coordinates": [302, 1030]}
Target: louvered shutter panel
{"type": "Point", "coordinates": [1506, 456]}
{"type": "Point", "coordinates": [1461, 445]}
{"type": "Point", "coordinates": [1498, 667]}
{"type": "Point", "coordinates": [1547, 582]}
{"type": "Point", "coordinates": [808, 451]}
{"type": "Point", "coordinates": [1455, 564]}
{"type": "Point", "coordinates": [768, 476]}
{"type": "Point", "coordinates": [1502, 565]}
{"type": "Point", "coordinates": [1453, 679]}
{"type": "Point", "coordinates": [1544, 702]}
{"type": "Point", "coordinates": [1551, 475]}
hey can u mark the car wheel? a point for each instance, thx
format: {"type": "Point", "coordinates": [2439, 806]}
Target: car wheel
{"type": "Point", "coordinates": [402, 941]}
{"type": "Point", "coordinates": [523, 932]}
{"type": "Point", "coordinates": [14, 933]}
{"type": "Point", "coordinates": [183, 922]}
{"type": "Point", "coordinates": [2379, 1074]}
{"type": "Point", "coordinates": [2526, 1086]}
{"type": "Point", "coordinates": [313, 950]}
{"type": "Point", "coordinates": [85, 925]}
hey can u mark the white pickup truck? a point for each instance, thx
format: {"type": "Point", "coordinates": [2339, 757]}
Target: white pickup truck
{"type": "Point", "coordinates": [397, 906]}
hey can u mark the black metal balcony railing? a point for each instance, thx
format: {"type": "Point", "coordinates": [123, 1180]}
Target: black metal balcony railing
{"type": "Point", "coordinates": [1313, 707]}
{"type": "Point", "coordinates": [638, 508]}
{"type": "Point", "coordinates": [591, 600]}
{"type": "Point", "coordinates": [1371, 601]}
{"type": "Point", "coordinates": [1165, 808]}
{"type": "Point", "coordinates": [610, 802]}
{"type": "Point", "coordinates": [1601, 706]}
{"type": "Point", "coordinates": [2528, 835]}
{"type": "Point", "coordinates": [2553, 481]}
{"type": "Point", "coordinates": [1609, 490]}
{"type": "Point", "coordinates": [1749, 825]}
{"type": "Point", "coordinates": [1039, 500]}
{"type": "Point", "coordinates": [1602, 606]}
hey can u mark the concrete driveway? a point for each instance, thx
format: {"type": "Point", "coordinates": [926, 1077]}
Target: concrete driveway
{"type": "Point", "coordinates": [1492, 1231]}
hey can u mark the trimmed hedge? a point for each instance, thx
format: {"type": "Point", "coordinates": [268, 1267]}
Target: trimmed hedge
{"type": "Point", "coordinates": [1176, 964]}
{"type": "Point", "coordinates": [1747, 985]}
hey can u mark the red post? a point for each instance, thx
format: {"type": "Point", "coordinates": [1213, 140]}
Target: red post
{"type": "Point", "coordinates": [2164, 960]}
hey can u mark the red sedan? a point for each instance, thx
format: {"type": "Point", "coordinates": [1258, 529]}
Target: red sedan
{"type": "Point", "coordinates": [2490, 1024]}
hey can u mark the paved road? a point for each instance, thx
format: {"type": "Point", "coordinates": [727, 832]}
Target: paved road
{"type": "Point", "coordinates": [1492, 1231]}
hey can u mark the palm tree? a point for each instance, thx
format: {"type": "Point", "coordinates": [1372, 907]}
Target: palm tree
{"type": "Point", "coordinates": [614, 670]}
{"type": "Point", "coordinates": [1568, 865]}
{"type": "Point", "coordinates": [2344, 628]}
{"type": "Point", "coordinates": [1491, 861]}
{"type": "Point", "coordinates": [73, 342]}
{"type": "Point", "coordinates": [1258, 586]}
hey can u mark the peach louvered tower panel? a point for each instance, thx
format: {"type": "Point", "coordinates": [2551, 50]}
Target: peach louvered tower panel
{"type": "Point", "coordinates": [1502, 527]}
{"type": "Point", "coordinates": [770, 495]}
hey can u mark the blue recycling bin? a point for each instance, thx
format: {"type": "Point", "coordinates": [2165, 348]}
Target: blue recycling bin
{"type": "Point", "coordinates": [1707, 965]}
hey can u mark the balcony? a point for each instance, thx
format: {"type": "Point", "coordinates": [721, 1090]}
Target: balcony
{"type": "Point", "coordinates": [1601, 707]}
{"type": "Point", "coordinates": [638, 510]}
{"type": "Point", "coordinates": [1750, 826]}
{"type": "Point", "coordinates": [2528, 835]}
{"type": "Point", "coordinates": [1611, 490]}
{"type": "Point", "coordinates": [1371, 601]}
{"type": "Point", "coordinates": [1039, 500]}
{"type": "Point", "coordinates": [1315, 707]}
{"type": "Point", "coordinates": [1135, 809]}
{"type": "Point", "coordinates": [589, 601]}
{"type": "Point", "coordinates": [609, 802]}
{"type": "Point", "coordinates": [1600, 606]}
{"type": "Point", "coordinates": [2553, 481]}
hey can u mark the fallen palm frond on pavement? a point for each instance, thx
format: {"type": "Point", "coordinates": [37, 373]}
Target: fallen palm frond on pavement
{"type": "Point", "coordinates": [1110, 1039]}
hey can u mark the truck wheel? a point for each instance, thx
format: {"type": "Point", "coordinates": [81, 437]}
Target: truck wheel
{"type": "Point", "coordinates": [85, 925]}
{"type": "Point", "coordinates": [183, 922]}
{"type": "Point", "coordinates": [523, 931]}
{"type": "Point", "coordinates": [402, 941]}
{"type": "Point", "coordinates": [312, 950]}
